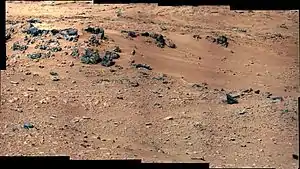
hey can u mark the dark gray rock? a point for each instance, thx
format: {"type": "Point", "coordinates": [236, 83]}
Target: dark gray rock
{"type": "Point", "coordinates": [90, 57]}
{"type": "Point", "coordinates": [230, 99]}
{"type": "Point", "coordinates": [145, 66]}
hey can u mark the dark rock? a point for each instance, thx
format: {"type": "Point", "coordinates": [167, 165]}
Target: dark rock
{"type": "Point", "coordinates": [28, 126]}
{"type": "Point", "coordinates": [75, 52]}
{"type": "Point", "coordinates": [32, 20]}
{"type": "Point", "coordinates": [70, 34]}
{"type": "Point", "coordinates": [56, 49]}
{"type": "Point", "coordinates": [90, 57]}
{"type": "Point", "coordinates": [94, 40]}
{"type": "Point", "coordinates": [7, 36]}
{"type": "Point", "coordinates": [108, 58]}
{"type": "Point", "coordinates": [170, 44]}
{"type": "Point", "coordinates": [296, 157]}
{"type": "Point", "coordinates": [42, 47]}
{"type": "Point", "coordinates": [248, 90]}
{"type": "Point", "coordinates": [53, 73]}
{"type": "Point", "coordinates": [145, 66]}
{"type": "Point", "coordinates": [160, 41]}
{"type": "Point", "coordinates": [55, 78]}
{"type": "Point", "coordinates": [134, 84]}
{"type": "Point", "coordinates": [112, 55]}
{"type": "Point", "coordinates": [54, 31]}
{"type": "Point", "coordinates": [257, 91]}
{"type": "Point", "coordinates": [230, 99]}
{"type": "Point", "coordinates": [211, 39]}
{"type": "Point", "coordinates": [34, 31]}
{"type": "Point", "coordinates": [268, 94]}
{"type": "Point", "coordinates": [18, 46]}
{"type": "Point", "coordinates": [132, 34]}
{"type": "Point", "coordinates": [222, 40]}
{"type": "Point", "coordinates": [197, 37]}
{"type": "Point", "coordinates": [145, 34]}
{"type": "Point", "coordinates": [34, 55]}
{"type": "Point", "coordinates": [117, 49]}
{"type": "Point", "coordinates": [133, 52]}
{"type": "Point", "coordinates": [53, 42]}
{"type": "Point", "coordinates": [107, 62]}
{"type": "Point", "coordinates": [95, 30]}
{"type": "Point", "coordinates": [277, 98]}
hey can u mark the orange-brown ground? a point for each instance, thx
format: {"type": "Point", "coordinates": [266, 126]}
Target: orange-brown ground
{"type": "Point", "coordinates": [95, 112]}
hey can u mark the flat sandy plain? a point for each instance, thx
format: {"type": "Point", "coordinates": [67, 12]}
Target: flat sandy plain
{"type": "Point", "coordinates": [95, 112]}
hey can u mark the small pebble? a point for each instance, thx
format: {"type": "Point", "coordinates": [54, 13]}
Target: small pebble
{"type": "Point", "coordinates": [169, 118]}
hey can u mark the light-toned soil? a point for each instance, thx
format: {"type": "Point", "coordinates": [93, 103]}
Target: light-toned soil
{"type": "Point", "coordinates": [94, 112]}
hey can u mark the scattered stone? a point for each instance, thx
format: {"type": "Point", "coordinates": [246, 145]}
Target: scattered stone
{"type": "Point", "coordinates": [14, 82]}
{"type": "Point", "coordinates": [75, 52]}
{"type": "Point", "coordinates": [170, 44]}
{"type": "Point", "coordinates": [277, 98]}
{"type": "Point", "coordinates": [71, 64]}
{"type": "Point", "coordinates": [32, 20]}
{"type": "Point", "coordinates": [240, 30]}
{"type": "Point", "coordinates": [34, 55]}
{"type": "Point", "coordinates": [96, 30]}
{"type": "Point", "coordinates": [32, 89]}
{"type": "Point", "coordinates": [148, 124]}
{"type": "Point", "coordinates": [7, 36]}
{"type": "Point", "coordinates": [18, 46]}
{"type": "Point", "coordinates": [169, 118]}
{"type": "Point", "coordinates": [145, 66]}
{"type": "Point", "coordinates": [53, 73]}
{"type": "Point", "coordinates": [94, 41]}
{"type": "Point", "coordinates": [160, 41]}
{"type": "Point", "coordinates": [197, 37]}
{"type": "Point", "coordinates": [90, 57]}
{"type": "Point", "coordinates": [108, 58]}
{"type": "Point", "coordinates": [235, 95]}
{"type": "Point", "coordinates": [296, 157]}
{"type": "Point", "coordinates": [133, 52]}
{"type": "Point", "coordinates": [28, 126]}
{"type": "Point", "coordinates": [257, 91]}
{"type": "Point", "coordinates": [230, 99]}
{"type": "Point", "coordinates": [221, 40]}
{"type": "Point", "coordinates": [132, 34]}
{"type": "Point", "coordinates": [120, 97]}
{"type": "Point", "coordinates": [134, 84]}
{"type": "Point", "coordinates": [55, 78]}
{"type": "Point", "coordinates": [33, 31]}
{"type": "Point", "coordinates": [56, 49]}
{"type": "Point", "coordinates": [283, 26]}
{"type": "Point", "coordinates": [117, 49]}
{"type": "Point", "coordinates": [248, 90]}
{"type": "Point", "coordinates": [70, 34]}
{"type": "Point", "coordinates": [243, 112]}
{"type": "Point", "coordinates": [86, 118]}
{"type": "Point", "coordinates": [198, 158]}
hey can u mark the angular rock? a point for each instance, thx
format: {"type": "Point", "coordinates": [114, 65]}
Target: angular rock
{"type": "Point", "coordinates": [145, 66]}
{"type": "Point", "coordinates": [90, 57]}
{"type": "Point", "coordinates": [34, 55]}
{"type": "Point", "coordinates": [32, 20]}
{"type": "Point", "coordinates": [230, 99]}
{"type": "Point", "coordinates": [18, 46]}
{"type": "Point", "coordinates": [94, 40]}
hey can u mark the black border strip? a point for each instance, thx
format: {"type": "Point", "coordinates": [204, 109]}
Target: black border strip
{"type": "Point", "coordinates": [3, 40]}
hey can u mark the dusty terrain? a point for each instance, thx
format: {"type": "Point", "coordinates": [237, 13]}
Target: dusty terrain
{"type": "Point", "coordinates": [97, 112]}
